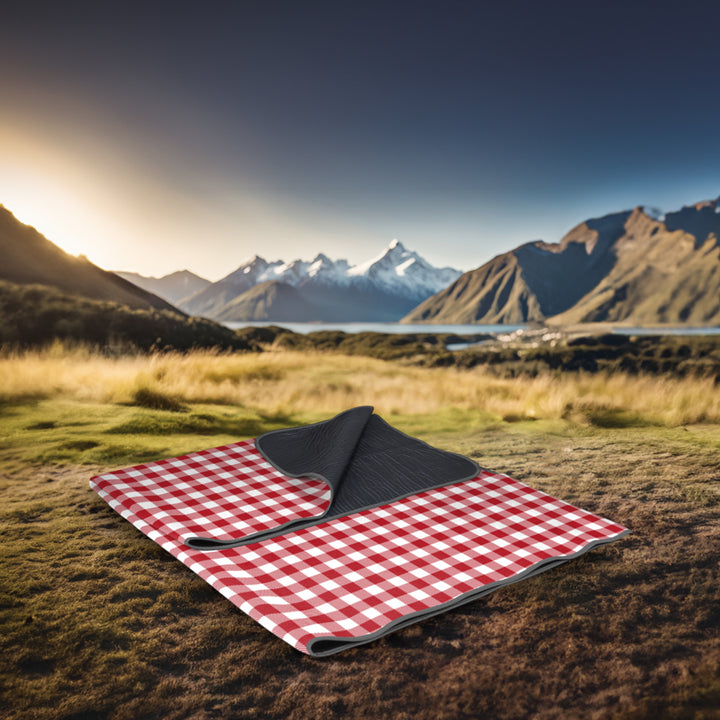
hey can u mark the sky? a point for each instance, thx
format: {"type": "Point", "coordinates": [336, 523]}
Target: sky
{"type": "Point", "coordinates": [159, 136]}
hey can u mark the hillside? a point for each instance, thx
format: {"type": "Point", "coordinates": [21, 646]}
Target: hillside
{"type": "Point", "coordinates": [36, 315]}
{"type": "Point", "coordinates": [662, 273]}
{"type": "Point", "coordinates": [635, 266]}
{"type": "Point", "coordinates": [27, 257]}
{"type": "Point", "coordinates": [173, 287]}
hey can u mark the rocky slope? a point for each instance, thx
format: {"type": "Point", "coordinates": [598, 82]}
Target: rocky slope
{"type": "Point", "coordinates": [636, 266]}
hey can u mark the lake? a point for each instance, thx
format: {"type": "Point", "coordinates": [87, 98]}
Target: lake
{"type": "Point", "coordinates": [667, 331]}
{"type": "Point", "coordinates": [356, 327]}
{"type": "Point", "coordinates": [397, 328]}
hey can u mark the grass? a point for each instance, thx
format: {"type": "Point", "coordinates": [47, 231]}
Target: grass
{"type": "Point", "coordinates": [98, 622]}
{"type": "Point", "coordinates": [305, 383]}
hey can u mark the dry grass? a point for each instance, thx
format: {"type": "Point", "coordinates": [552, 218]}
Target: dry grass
{"type": "Point", "coordinates": [304, 382]}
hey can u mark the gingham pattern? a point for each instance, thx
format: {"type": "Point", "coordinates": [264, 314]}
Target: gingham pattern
{"type": "Point", "coordinates": [225, 492]}
{"type": "Point", "coordinates": [357, 575]}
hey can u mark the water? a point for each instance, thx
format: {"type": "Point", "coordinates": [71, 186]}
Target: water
{"type": "Point", "coordinates": [397, 328]}
{"type": "Point", "coordinates": [667, 331]}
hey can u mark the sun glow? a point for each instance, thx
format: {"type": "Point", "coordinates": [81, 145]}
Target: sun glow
{"type": "Point", "coordinates": [50, 208]}
{"type": "Point", "coordinates": [43, 188]}
{"type": "Point", "coordinates": [80, 196]}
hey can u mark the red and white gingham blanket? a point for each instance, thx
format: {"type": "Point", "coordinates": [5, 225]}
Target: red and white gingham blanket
{"type": "Point", "coordinates": [348, 580]}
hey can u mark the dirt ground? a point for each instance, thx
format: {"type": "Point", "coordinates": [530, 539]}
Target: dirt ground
{"type": "Point", "coordinates": [99, 622]}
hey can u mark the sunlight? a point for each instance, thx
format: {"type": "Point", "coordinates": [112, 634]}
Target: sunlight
{"type": "Point", "coordinates": [46, 205]}
{"type": "Point", "coordinates": [43, 187]}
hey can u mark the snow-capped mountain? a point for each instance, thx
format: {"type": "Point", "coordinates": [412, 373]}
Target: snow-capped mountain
{"type": "Point", "coordinates": [397, 269]}
{"type": "Point", "coordinates": [378, 289]}
{"type": "Point", "coordinates": [257, 270]}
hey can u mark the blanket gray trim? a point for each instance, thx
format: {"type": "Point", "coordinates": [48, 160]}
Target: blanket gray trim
{"type": "Point", "coordinates": [324, 645]}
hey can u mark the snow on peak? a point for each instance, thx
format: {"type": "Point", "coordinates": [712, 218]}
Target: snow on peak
{"type": "Point", "coordinates": [402, 268]}
{"type": "Point", "coordinates": [393, 255]}
{"type": "Point", "coordinates": [394, 270]}
{"type": "Point", "coordinates": [397, 269]}
{"type": "Point", "coordinates": [249, 271]}
{"type": "Point", "coordinates": [290, 272]}
{"type": "Point", "coordinates": [322, 267]}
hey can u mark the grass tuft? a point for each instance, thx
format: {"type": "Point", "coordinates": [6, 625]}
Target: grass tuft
{"type": "Point", "coordinates": [42, 425]}
{"type": "Point", "coordinates": [156, 400]}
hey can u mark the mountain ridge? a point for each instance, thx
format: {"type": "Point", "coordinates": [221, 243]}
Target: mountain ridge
{"type": "Point", "coordinates": [383, 288]}
{"type": "Point", "coordinates": [633, 266]}
{"type": "Point", "coordinates": [172, 287]}
{"type": "Point", "coordinates": [269, 300]}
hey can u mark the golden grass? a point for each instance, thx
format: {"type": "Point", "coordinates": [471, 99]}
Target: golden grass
{"type": "Point", "coordinates": [309, 382]}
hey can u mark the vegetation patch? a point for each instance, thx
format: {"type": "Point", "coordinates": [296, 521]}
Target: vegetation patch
{"type": "Point", "coordinates": [156, 400]}
{"type": "Point", "coordinates": [676, 357]}
{"type": "Point", "coordinates": [80, 444]}
{"type": "Point", "coordinates": [644, 354]}
{"type": "Point", "coordinates": [605, 416]}
{"type": "Point", "coordinates": [33, 316]}
{"type": "Point", "coordinates": [195, 423]}
{"type": "Point", "coordinates": [126, 454]}
{"type": "Point", "coordinates": [310, 384]}
{"type": "Point", "coordinates": [42, 425]}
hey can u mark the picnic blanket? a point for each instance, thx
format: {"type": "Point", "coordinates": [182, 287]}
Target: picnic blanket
{"type": "Point", "coordinates": [334, 534]}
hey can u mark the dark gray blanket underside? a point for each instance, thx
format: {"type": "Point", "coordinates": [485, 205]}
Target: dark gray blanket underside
{"type": "Point", "coordinates": [365, 461]}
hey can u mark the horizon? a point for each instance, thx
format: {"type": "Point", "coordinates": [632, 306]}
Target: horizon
{"type": "Point", "coordinates": [196, 136]}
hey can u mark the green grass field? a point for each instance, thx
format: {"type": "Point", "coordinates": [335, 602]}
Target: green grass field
{"type": "Point", "coordinates": [99, 622]}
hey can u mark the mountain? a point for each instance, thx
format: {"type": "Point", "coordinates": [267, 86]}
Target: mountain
{"type": "Point", "coordinates": [270, 300]}
{"type": "Point", "coordinates": [666, 271]}
{"type": "Point", "coordinates": [210, 301]}
{"type": "Point", "coordinates": [173, 287]}
{"type": "Point", "coordinates": [382, 289]}
{"type": "Point", "coordinates": [635, 266]}
{"type": "Point", "coordinates": [27, 257]}
{"type": "Point", "coordinates": [401, 271]}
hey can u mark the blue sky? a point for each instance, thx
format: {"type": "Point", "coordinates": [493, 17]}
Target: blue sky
{"type": "Point", "coordinates": [195, 135]}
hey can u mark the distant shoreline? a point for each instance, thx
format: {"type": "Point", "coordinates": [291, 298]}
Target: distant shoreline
{"type": "Point", "coordinates": [534, 330]}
